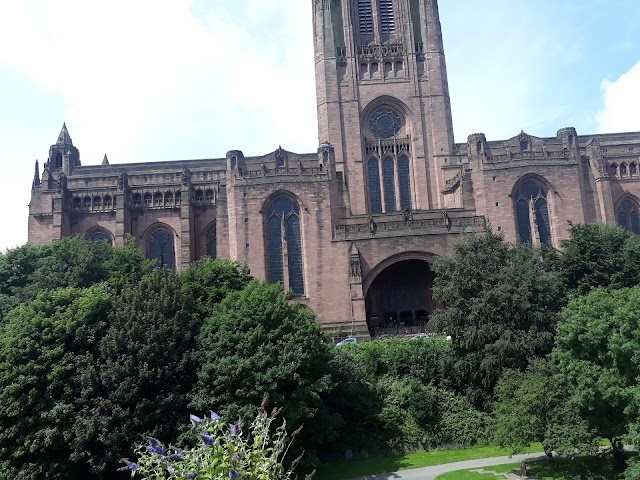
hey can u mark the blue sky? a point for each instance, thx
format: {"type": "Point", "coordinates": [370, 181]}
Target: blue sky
{"type": "Point", "coordinates": [144, 80]}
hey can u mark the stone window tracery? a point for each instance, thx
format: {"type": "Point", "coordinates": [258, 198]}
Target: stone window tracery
{"type": "Point", "coordinates": [148, 200]}
{"type": "Point", "coordinates": [161, 248]}
{"type": "Point", "coordinates": [385, 123]}
{"type": "Point", "coordinates": [108, 202]}
{"type": "Point", "coordinates": [168, 199]}
{"type": "Point", "coordinates": [628, 216]}
{"type": "Point", "coordinates": [532, 213]}
{"type": "Point", "coordinates": [158, 199]}
{"type": "Point", "coordinates": [284, 245]}
{"type": "Point", "coordinates": [97, 203]}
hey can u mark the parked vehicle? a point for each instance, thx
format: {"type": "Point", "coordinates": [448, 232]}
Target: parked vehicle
{"type": "Point", "coordinates": [347, 341]}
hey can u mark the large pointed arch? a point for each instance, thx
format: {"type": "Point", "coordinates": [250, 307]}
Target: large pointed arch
{"type": "Point", "coordinates": [284, 242]}
{"type": "Point", "coordinates": [533, 205]}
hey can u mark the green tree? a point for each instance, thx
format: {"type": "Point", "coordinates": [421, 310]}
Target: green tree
{"type": "Point", "coordinates": [258, 342]}
{"type": "Point", "coordinates": [46, 348]}
{"type": "Point", "coordinates": [599, 255]}
{"type": "Point", "coordinates": [71, 262]}
{"type": "Point", "coordinates": [210, 281]}
{"type": "Point", "coordinates": [596, 353]}
{"type": "Point", "coordinates": [501, 303]}
{"type": "Point", "coordinates": [144, 372]}
{"type": "Point", "coordinates": [532, 407]}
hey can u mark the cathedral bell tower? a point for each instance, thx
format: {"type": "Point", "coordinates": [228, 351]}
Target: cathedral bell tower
{"type": "Point", "coordinates": [383, 100]}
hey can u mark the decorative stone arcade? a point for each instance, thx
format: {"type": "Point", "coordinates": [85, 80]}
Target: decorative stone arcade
{"type": "Point", "coordinates": [399, 299]}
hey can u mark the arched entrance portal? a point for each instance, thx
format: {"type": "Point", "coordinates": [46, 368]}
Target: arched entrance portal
{"type": "Point", "coordinates": [399, 300]}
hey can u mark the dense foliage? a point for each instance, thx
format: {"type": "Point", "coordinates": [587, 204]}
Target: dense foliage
{"type": "Point", "coordinates": [258, 341]}
{"type": "Point", "coordinates": [599, 255]}
{"type": "Point", "coordinates": [501, 305]}
{"type": "Point", "coordinates": [98, 351]}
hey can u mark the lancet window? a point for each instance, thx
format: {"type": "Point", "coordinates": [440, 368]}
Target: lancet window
{"type": "Point", "coordinates": [161, 248]}
{"type": "Point", "coordinates": [628, 216]}
{"type": "Point", "coordinates": [284, 245]}
{"type": "Point", "coordinates": [532, 213]}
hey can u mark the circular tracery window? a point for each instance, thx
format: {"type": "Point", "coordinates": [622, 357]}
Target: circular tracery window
{"type": "Point", "coordinates": [385, 123]}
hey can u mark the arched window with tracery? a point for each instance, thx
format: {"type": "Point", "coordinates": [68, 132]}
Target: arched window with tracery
{"type": "Point", "coordinates": [97, 203]}
{"type": "Point", "coordinates": [161, 248]}
{"type": "Point", "coordinates": [628, 216]}
{"type": "Point", "coordinates": [284, 244]}
{"type": "Point", "coordinates": [532, 213]}
{"type": "Point", "coordinates": [389, 181]}
{"type": "Point", "coordinates": [375, 197]}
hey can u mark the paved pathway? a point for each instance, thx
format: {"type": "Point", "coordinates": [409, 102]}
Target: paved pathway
{"type": "Point", "coordinates": [430, 473]}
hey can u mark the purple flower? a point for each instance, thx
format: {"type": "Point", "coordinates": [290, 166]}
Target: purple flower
{"type": "Point", "coordinates": [156, 447]}
{"type": "Point", "coordinates": [176, 457]}
{"type": "Point", "coordinates": [191, 475]}
{"type": "Point", "coordinates": [214, 416]}
{"type": "Point", "coordinates": [233, 474]}
{"type": "Point", "coordinates": [132, 466]}
{"type": "Point", "coordinates": [234, 429]}
{"type": "Point", "coordinates": [207, 439]}
{"type": "Point", "coordinates": [195, 420]}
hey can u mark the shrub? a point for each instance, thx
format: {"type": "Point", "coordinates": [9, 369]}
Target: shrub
{"type": "Point", "coordinates": [221, 451]}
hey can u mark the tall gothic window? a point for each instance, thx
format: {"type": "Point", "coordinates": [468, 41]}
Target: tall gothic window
{"type": "Point", "coordinates": [387, 23]}
{"type": "Point", "coordinates": [375, 196]}
{"type": "Point", "coordinates": [161, 248]}
{"type": "Point", "coordinates": [405, 182]}
{"type": "Point", "coordinates": [284, 242]}
{"type": "Point", "coordinates": [389, 181]}
{"type": "Point", "coordinates": [365, 17]}
{"type": "Point", "coordinates": [532, 212]}
{"type": "Point", "coordinates": [628, 217]}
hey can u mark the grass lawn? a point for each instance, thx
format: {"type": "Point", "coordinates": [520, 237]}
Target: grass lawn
{"type": "Point", "coordinates": [598, 466]}
{"type": "Point", "coordinates": [492, 473]}
{"type": "Point", "coordinates": [371, 466]}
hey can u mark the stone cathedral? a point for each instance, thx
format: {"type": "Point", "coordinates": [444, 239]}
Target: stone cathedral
{"type": "Point", "coordinates": [353, 227]}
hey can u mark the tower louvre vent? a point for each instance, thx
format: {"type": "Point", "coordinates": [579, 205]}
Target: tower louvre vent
{"type": "Point", "coordinates": [387, 23]}
{"type": "Point", "coordinates": [365, 17]}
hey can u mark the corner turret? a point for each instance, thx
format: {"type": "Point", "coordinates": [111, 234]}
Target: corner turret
{"type": "Point", "coordinates": [63, 156]}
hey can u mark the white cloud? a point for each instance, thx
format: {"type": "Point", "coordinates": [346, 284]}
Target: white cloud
{"type": "Point", "coordinates": [621, 99]}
